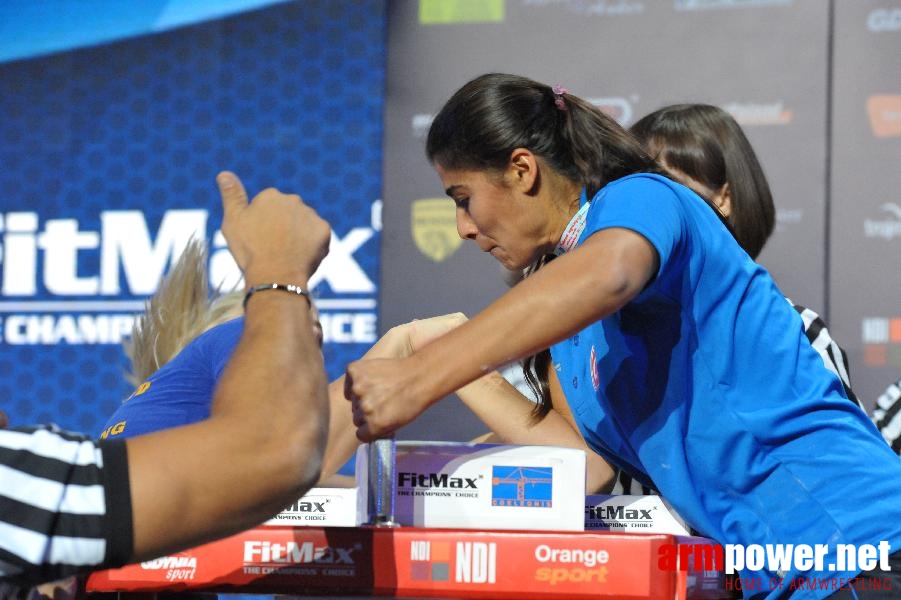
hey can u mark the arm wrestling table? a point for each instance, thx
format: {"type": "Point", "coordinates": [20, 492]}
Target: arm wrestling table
{"type": "Point", "coordinates": [411, 562]}
{"type": "Point", "coordinates": [383, 559]}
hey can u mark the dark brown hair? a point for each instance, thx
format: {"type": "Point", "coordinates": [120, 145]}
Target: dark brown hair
{"type": "Point", "coordinates": [489, 117]}
{"type": "Point", "coordinates": [705, 143]}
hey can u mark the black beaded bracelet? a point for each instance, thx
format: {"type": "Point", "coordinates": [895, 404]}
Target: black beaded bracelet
{"type": "Point", "coordinates": [285, 287]}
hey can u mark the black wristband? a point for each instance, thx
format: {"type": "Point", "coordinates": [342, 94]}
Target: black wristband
{"type": "Point", "coordinates": [285, 287]}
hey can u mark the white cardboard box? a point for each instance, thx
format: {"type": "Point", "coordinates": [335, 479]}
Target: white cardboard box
{"type": "Point", "coordinates": [483, 486]}
{"type": "Point", "coordinates": [321, 507]}
{"type": "Point", "coordinates": [633, 514]}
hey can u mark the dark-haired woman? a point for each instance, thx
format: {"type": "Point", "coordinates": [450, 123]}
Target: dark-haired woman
{"type": "Point", "coordinates": [680, 358]}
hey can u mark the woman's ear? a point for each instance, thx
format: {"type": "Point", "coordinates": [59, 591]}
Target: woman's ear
{"type": "Point", "coordinates": [722, 199]}
{"type": "Point", "coordinates": [522, 170]}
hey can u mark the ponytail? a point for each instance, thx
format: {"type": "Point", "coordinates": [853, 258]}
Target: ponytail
{"type": "Point", "coordinates": [486, 119]}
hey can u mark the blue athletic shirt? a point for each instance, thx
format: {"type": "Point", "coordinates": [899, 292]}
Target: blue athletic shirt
{"type": "Point", "coordinates": [181, 392]}
{"type": "Point", "coordinates": [706, 387]}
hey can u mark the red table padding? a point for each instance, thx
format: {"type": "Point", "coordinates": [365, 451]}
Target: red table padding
{"type": "Point", "coordinates": [423, 563]}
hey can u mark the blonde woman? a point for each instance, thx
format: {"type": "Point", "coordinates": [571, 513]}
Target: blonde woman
{"type": "Point", "coordinates": [179, 348]}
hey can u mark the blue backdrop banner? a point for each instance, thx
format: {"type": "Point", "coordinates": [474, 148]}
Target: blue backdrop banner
{"type": "Point", "coordinates": [109, 159]}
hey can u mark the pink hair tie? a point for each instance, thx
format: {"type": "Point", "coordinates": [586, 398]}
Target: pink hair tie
{"type": "Point", "coordinates": [558, 91]}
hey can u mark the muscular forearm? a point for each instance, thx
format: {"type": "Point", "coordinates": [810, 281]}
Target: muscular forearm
{"type": "Point", "coordinates": [268, 424]}
{"type": "Point", "coordinates": [509, 415]}
{"type": "Point", "coordinates": [573, 291]}
{"type": "Point", "coordinates": [342, 439]}
{"type": "Point", "coordinates": [503, 409]}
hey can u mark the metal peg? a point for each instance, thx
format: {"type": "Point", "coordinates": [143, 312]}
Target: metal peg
{"type": "Point", "coordinates": [380, 492]}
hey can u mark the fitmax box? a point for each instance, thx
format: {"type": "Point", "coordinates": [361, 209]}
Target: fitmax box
{"type": "Point", "coordinates": [633, 514]}
{"type": "Point", "coordinates": [322, 507]}
{"type": "Point", "coordinates": [482, 486]}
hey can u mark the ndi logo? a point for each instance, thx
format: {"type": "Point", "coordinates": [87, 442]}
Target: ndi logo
{"type": "Point", "coordinates": [522, 486]}
{"type": "Point", "coordinates": [475, 562]}
{"type": "Point", "coordinates": [881, 337]}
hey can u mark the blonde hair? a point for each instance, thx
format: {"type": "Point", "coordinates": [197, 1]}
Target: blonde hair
{"type": "Point", "coordinates": [181, 309]}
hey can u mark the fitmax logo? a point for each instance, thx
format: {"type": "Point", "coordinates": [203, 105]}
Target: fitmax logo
{"type": "Point", "coordinates": [306, 507]}
{"type": "Point", "coordinates": [434, 480]}
{"type": "Point", "coordinates": [293, 553]}
{"type": "Point", "coordinates": [126, 248]}
{"type": "Point", "coordinates": [619, 513]}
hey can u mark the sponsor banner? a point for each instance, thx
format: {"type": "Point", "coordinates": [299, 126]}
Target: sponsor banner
{"type": "Point", "coordinates": [726, 4]}
{"type": "Point", "coordinates": [885, 114]}
{"type": "Point", "coordinates": [434, 227]}
{"type": "Point", "coordinates": [493, 565]}
{"type": "Point", "coordinates": [110, 154]}
{"type": "Point", "coordinates": [482, 486]}
{"type": "Point", "coordinates": [73, 284]}
{"type": "Point", "coordinates": [881, 337]}
{"type": "Point", "coordinates": [30, 32]}
{"type": "Point", "coordinates": [641, 514]}
{"type": "Point", "coordinates": [266, 559]}
{"type": "Point", "coordinates": [583, 9]}
{"type": "Point", "coordinates": [759, 113]}
{"type": "Point", "coordinates": [883, 20]}
{"type": "Point", "coordinates": [322, 507]}
{"type": "Point", "coordinates": [621, 108]}
{"type": "Point", "coordinates": [413, 562]}
{"type": "Point", "coordinates": [446, 12]}
{"type": "Point", "coordinates": [887, 225]}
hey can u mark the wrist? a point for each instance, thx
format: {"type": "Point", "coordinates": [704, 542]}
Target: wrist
{"type": "Point", "coordinates": [259, 276]}
{"type": "Point", "coordinates": [421, 381]}
{"type": "Point", "coordinates": [287, 288]}
{"type": "Point", "coordinates": [390, 345]}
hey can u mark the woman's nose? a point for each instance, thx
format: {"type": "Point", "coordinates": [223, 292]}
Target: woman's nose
{"type": "Point", "coordinates": [466, 229]}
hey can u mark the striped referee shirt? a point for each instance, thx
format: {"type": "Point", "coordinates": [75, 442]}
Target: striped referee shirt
{"type": "Point", "coordinates": [832, 354]}
{"type": "Point", "coordinates": [65, 504]}
{"type": "Point", "coordinates": [887, 415]}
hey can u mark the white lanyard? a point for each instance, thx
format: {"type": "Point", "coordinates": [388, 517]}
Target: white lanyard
{"type": "Point", "coordinates": [575, 228]}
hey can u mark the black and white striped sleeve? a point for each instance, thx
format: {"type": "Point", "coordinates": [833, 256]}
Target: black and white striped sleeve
{"type": "Point", "coordinates": [65, 504]}
{"type": "Point", "coordinates": [623, 483]}
{"type": "Point", "coordinates": [832, 354]}
{"type": "Point", "coordinates": [887, 415]}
